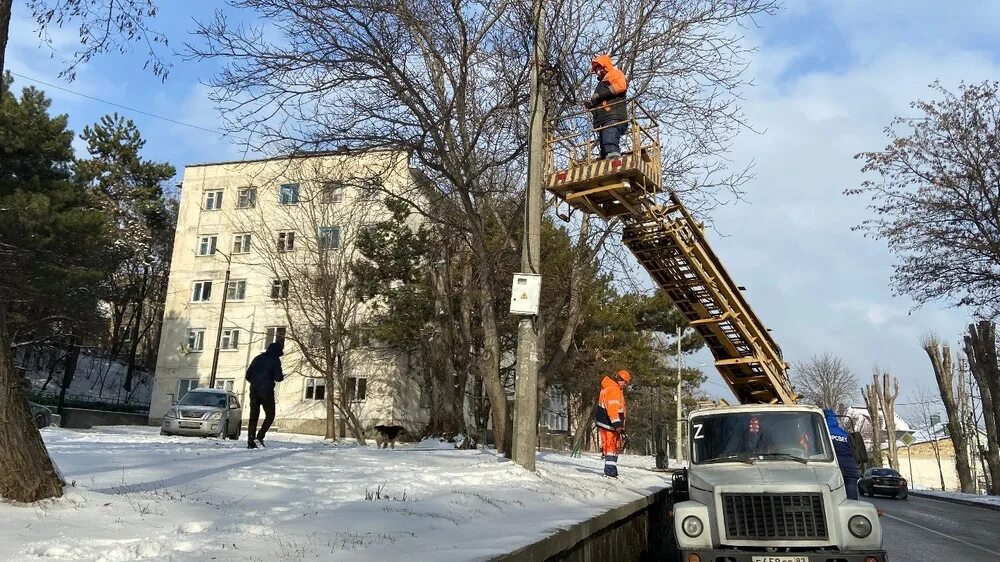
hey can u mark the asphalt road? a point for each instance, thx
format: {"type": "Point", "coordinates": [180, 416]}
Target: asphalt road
{"type": "Point", "coordinates": [919, 529]}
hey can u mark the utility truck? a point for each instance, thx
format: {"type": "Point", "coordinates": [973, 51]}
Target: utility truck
{"type": "Point", "coordinates": [763, 483]}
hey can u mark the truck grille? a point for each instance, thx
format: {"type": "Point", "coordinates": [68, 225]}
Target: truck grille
{"type": "Point", "coordinates": [774, 516]}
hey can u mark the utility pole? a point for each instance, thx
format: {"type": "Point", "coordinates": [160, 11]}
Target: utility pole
{"type": "Point", "coordinates": [680, 423]}
{"type": "Point", "coordinates": [526, 385]}
{"type": "Point", "coordinates": [222, 318]}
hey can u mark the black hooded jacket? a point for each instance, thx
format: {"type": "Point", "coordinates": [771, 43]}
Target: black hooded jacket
{"type": "Point", "coordinates": [265, 369]}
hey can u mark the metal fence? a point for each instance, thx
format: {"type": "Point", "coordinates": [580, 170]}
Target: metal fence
{"type": "Point", "coordinates": [51, 398]}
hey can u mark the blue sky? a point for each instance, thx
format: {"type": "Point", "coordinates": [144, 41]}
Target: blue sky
{"type": "Point", "coordinates": [829, 77]}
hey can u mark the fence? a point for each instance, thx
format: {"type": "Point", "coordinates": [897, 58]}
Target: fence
{"type": "Point", "coordinates": [51, 398]}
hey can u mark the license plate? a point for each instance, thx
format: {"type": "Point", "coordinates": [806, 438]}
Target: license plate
{"type": "Point", "coordinates": [190, 425]}
{"type": "Point", "coordinates": [780, 559]}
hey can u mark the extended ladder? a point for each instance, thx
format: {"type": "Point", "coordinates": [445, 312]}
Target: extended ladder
{"type": "Point", "coordinates": [672, 247]}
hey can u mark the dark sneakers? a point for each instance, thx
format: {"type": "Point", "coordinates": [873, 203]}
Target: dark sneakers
{"type": "Point", "coordinates": [260, 441]}
{"type": "Point", "coordinates": [251, 445]}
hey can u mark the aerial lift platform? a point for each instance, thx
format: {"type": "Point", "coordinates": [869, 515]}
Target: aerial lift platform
{"type": "Point", "coordinates": [671, 246]}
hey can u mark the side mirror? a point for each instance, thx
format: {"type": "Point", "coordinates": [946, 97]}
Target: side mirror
{"type": "Point", "coordinates": [679, 485]}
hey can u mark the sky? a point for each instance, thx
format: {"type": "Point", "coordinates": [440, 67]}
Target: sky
{"type": "Point", "coordinates": [829, 76]}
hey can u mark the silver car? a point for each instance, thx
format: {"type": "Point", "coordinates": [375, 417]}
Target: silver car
{"type": "Point", "coordinates": [205, 412]}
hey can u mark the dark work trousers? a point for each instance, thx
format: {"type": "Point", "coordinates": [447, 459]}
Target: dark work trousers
{"type": "Point", "coordinates": [258, 399]}
{"type": "Point", "coordinates": [611, 139]}
{"type": "Point", "coordinates": [851, 487]}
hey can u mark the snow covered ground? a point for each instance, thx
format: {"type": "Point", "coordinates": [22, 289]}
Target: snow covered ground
{"type": "Point", "coordinates": [986, 500]}
{"type": "Point", "coordinates": [140, 496]}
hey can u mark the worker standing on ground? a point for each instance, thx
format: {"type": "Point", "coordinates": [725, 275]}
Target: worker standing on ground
{"type": "Point", "coordinates": [263, 372]}
{"type": "Point", "coordinates": [610, 418]}
{"type": "Point", "coordinates": [845, 455]}
{"type": "Point", "coordinates": [608, 106]}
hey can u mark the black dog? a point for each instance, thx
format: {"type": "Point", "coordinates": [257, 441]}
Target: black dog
{"type": "Point", "coordinates": [386, 435]}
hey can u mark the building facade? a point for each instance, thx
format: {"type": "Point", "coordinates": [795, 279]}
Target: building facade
{"type": "Point", "coordinates": [283, 232]}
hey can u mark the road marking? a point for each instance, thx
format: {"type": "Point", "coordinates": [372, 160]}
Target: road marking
{"type": "Point", "coordinates": [942, 534]}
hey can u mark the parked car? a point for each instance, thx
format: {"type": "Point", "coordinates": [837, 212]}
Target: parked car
{"type": "Point", "coordinates": [883, 481]}
{"type": "Point", "coordinates": [205, 412]}
{"type": "Point", "coordinates": [41, 415]}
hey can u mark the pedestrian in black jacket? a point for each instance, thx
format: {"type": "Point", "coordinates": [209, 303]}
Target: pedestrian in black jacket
{"type": "Point", "coordinates": [263, 372]}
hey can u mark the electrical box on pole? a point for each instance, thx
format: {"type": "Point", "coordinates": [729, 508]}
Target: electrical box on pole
{"type": "Point", "coordinates": [524, 294]}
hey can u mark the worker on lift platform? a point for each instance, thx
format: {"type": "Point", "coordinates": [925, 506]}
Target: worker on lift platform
{"type": "Point", "coordinates": [608, 106]}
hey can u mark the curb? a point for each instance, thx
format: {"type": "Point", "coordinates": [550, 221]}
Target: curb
{"type": "Point", "coordinates": [955, 500]}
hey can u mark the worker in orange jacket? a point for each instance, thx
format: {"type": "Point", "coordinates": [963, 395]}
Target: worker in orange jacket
{"type": "Point", "coordinates": [610, 418]}
{"type": "Point", "coordinates": [607, 106]}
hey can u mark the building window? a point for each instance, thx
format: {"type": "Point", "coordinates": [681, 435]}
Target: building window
{"type": "Point", "coordinates": [241, 244]}
{"type": "Point", "coordinates": [288, 194]}
{"type": "Point", "coordinates": [274, 334]}
{"type": "Point", "coordinates": [224, 384]}
{"type": "Point", "coordinates": [185, 385]}
{"type": "Point", "coordinates": [237, 290]}
{"type": "Point", "coordinates": [279, 289]}
{"type": "Point", "coordinates": [230, 339]}
{"type": "Point", "coordinates": [213, 200]}
{"type": "Point", "coordinates": [315, 389]}
{"type": "Point", "coordinates": [207, 245]}
{"type": "Point", "coordinates": [332, 192]}
{"type": "Point", "coordinates": [357, 388]}
{"type": "Point", "coordinates": [370, 189]}
{"type": "Point", "coordinates": [286, 241]}
{"type": "Point", "coordinates": [247, 198]}
{"type": "Point", "coordinates": [329, 237]}
{"type": "Point", "coordinates": [195, 340]}
{"type": "Point", "coordinates": [202, 291]}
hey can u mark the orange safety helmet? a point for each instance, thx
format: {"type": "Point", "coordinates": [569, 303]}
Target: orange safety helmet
{"type": "Point", "coordinates": [625, 376]}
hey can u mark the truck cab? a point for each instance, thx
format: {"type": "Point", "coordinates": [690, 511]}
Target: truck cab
{"type": "Point", "coordinates": [763, 485]}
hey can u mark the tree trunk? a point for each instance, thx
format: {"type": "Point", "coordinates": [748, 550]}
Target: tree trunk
{"type": "Point", "coordinates": [139, 304]}
{"type": "Point", "coordinates": [27, 474]}
{"type": "Point", "coordinates": [940, 356]}
{"type": "Point", "coordinates": [981, 350]}
{"type": "Point", "coordinates": [331, 409]}
{"type": "Point", "coordinates": [874, 416]}
{"type": "Point", "coordinates": [5, 10]}
{"type": "Point", "coordinates": [937, 455]}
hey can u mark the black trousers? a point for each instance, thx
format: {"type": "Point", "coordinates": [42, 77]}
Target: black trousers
{"type": "Point", "coordinates": [258, 399]}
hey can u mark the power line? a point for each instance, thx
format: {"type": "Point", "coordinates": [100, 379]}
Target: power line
{"type": "Point", "coordinates": [125, 107]}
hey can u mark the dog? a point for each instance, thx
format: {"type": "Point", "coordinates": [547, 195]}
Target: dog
{"type": "Point", "coordinates": [386, 435]}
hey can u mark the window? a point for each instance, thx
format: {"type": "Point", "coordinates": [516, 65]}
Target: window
{"type": "Point", "coordinates": [356, 388]}
{"type": "Point", "coordinates": [213, 200]}
{"type": "Point", "coordinates": [237, 290]}
{"type": "Point", "coordinates": [286, 241]}
{"type": "Point", "coordinates": [202, 291]}
{"type": "Point", "coordinates": [207, 245]}
{"type": "Point", "coordinates": [315, 389]}
{"type": "Point", "coordinates": [230, 339]}
{"type": "Point", "coordinates": [279, 289]}
{"type": "Point", "coordinates": [370, 188]}
{"type": "Point", "coordinates": [247, 198]}
{"type": "Point", "coordinates": [185, 385]}
{"type": "Point", "coordinates": [329, 237]}
{"type": "Point", "coordinates": [332, 192]}
{"type": "Point", "coordinates": [224, 384]}
{"type": "Point", "coordinates": [288, 194]}
{"type": "Point", "coordinates": [196, 340]}
{"type": "Point", "coordinates": [273, 334]}
{"type": "Point", "coordinates": [241, 244]}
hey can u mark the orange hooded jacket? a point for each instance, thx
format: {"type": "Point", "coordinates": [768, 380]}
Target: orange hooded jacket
{"type": "Point", "coordinates": [608, 102]}
{"type": "Point", "coordinates": [610, 406]}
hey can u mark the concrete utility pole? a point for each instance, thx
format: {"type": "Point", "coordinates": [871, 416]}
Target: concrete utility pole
{"type": "Point", "coordinates": [222, 318]}
{"type": "Point", "coordinates": [526, 385]}
{"type": "Point", "coordinates": [678, 440]}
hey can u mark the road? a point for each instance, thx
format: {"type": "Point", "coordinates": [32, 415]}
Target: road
{"type": "Point", "coordinates": [920, 529]}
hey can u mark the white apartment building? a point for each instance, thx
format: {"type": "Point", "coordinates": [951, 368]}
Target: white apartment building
{"type": "Point", "coordinates": [281, 227]}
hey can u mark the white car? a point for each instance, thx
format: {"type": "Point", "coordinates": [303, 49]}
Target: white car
{"type": "Point", "coordinates": [205, 412]}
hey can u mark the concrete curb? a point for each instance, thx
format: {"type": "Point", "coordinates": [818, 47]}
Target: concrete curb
{"type": "Point", "coordinates": [955, 500]}
{"type": "Point", "coordinates": [565, 539]}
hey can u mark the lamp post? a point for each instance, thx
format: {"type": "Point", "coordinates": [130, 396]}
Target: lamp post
{"type": "Point", "coordinates": [222, 317]}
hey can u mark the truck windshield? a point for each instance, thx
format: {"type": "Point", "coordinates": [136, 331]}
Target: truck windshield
{"type": "Point", "coordinates": [759, 436]}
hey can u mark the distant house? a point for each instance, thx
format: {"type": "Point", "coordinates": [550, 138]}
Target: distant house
{"type": "Point", "coordinates": [919, 463]}
{"type": "Point", "coordinates": [863, 423]}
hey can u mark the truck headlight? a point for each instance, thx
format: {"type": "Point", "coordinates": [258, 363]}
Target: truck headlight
{"type": "Point", "coordinates": [860, 526]}
{"type": "Point", "coordinates": [692, 526]}
{"type": "Point", "coordinates": [215, 416]}
{"type": "Point", "coordinates": [171, 414]}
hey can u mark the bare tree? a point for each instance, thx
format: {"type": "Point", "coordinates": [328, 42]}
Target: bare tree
{"type": "Point", "coordinates": [825, 381]}
{"type": "Point", "coordinates": [940, 356]}
{"type": "Point", "coordinates": [936, 200]}
{"type": "Point", "coordinates": [887, 404]}
{"type": "Point", "coordinates": [870, 394]}
{"type": "Point", "coordinates": [981, 350]}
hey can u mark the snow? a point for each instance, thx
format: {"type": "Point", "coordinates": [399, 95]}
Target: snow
{"type": "Point", "coordinates": [142, 496]}
{"type": "Point", "coordinates": [975, 498]}
{"type": "Point", "coordinates": [96, 377]}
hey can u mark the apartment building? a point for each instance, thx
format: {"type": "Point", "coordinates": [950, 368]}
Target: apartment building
{"type": "Point", "coordinates": [282, 232]}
